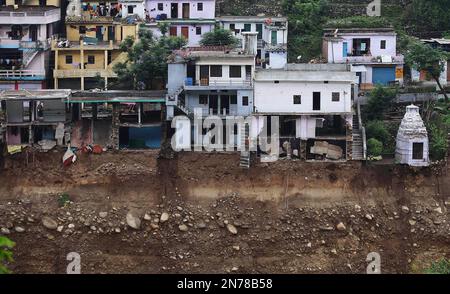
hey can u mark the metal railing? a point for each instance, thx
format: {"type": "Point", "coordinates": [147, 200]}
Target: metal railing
{"type": "Point", "coordinates": [225, 83]}
{"type": "Point", "coordinates": [21, 73]}
{"type": "Point", "coordinates": [44, 45]}
{"type": "Point", "coordinates": [29, 13]}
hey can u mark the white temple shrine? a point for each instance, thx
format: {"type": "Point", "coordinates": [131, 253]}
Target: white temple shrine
{"type": "Point", "coordinates": [412, 139]}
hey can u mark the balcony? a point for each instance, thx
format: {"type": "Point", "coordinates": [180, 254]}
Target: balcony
{"type": "Point", "coordinates": [25, 75]}
{"type": "Point", "coordinates": [85, 45]}
{"type": "Point", "coordinates": [222, 84]}
{"type": "Point", "coordinates": [29, 15]}
{"type": "Point", "coordinates": [87, 73]}
{"type": "Point", "coordinates": [369, 59]}
{"type": "Point", "coordinates": [38, 45]}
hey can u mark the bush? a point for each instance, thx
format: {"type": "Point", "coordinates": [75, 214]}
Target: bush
{"type": "Point", "coordinates": [374, 147]}
{"type": "Point", "coordinates": [376, 129]}
{"type": "Point", "coordinates": [5, 254]}
{"type": "Point", "coordinates": [218, 37]}
{"type": "Point", "coordinates": [441, 267]}
{"type": "Point", "coordinates": [438, 142]}
{"type": "Point", "coordinates": [63, 200]}
{"type": "Point", "coordinates": [380, 100]}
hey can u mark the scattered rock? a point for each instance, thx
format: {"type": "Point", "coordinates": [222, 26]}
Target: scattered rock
{"type": "Point", "coordinates": [438, 210]}
{"type": "Point", "coordinates": [369, 217]}
{"type": "Point", "coordinates": [405, 209]}
{"type": "Point", "coordinates": [117, 230]}
{"type": "Point", "coordinates": [71, 226]}
{"type": "Point", "coordinates": [232, 229]}
{"type": "Point", "coordinates": [49, 223]}
{"type": "Point", "coordinates": [340, 226]}
{"type": "Point", "coordinates": [5, 231]}
{"type": "Point", "coordinates": [309, 245]}
{"type": "Point", "coordinates": [237, 248]}
{"type": "Point", "coordinates": [60, 228]}
{"type": "Point", "coordinates": [357, 208]}
{"type": "Point", "coordinates": [164, 217]}
{"type": "Point", "coordinates": [103, 214]}
{"type": "Point", "coordinates": [147, 217]}
{"type": "Point", "coordinates": [133, 220]}
{"type": "Point", "coordinates": [412, 222]}
{"type": "Point", "coordinates": [19, 229]}
{"type": "Point", "coordinates": [183, 228]}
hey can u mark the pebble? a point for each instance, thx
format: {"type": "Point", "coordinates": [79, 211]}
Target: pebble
{"type": "Point", "coordinates": [103, 214]}
{"type": "Point", "coordinates": [232, 229]}
{"type": "Point", "coordinates": [133, 220]}
{"type": "Point", "coordinates": [49, 223]}
{"type": "Point", "coordinates": [405, 209]}
{"type": "Point", "coordinates": [183, 228]}
{"type": "Point", "coordinates": [164, 217]}
{"type": "Point", "coordinates": [369, 217]}
{"type": "Point", "coordinates": [5, 231]}
{"type": "Point", "coordinates": [340, 226]}
{"type": "Point", "coordinates": [19, 229]}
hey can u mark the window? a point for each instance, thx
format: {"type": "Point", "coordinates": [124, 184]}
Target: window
{"type": "Point", "coordinates": [276, 82]}
{"type": "Point", "coordinates": [383, 44]}
{"type": "Point", "coordinates": [247, 27]}
{"type": "Point", "coordinates": [82, 30]}
{"type": "Point", "coordinates": [69, 59]}
{"type": "Point", "coordinates": [130, 9]}
{"type": "Point", "coordinates": [215, 71]}
{"type": "Point", "coordinates": [335, 96]}
{"type": "Point", "coordinates": [91, 59]}
{"type": "Point", "coordinates": [417, 151]}
{"type": "Point", "coordinates": [244, 100]}
{"type": "Point", "coordinates": [160, 6]}
{"type": "Point", "coordinates": [235, 71]}
{"type": "Point", "coordinates": [198, 30]}
{"type": "Point", "coordinates": [200, 6]}
{"type": "Point", "coordinates": [233, 99]}
{"type": "Point", "coordinates": [232, 27]}
{"type": "Point", "coordinates": [297, 99]}
{"type": "Point", "coordinates": [203, 99]}
{"type": "Point", "coordinates": [109, 56]}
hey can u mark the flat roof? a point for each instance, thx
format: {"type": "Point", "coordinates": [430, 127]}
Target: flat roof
{"type": "Point", "coordinates": [34, 94]}
{"type": "Point", "coordinates": [251, 18]}
{"type": "Point", "coordinates": [304, 76]}
{"type": "Point", "coordinates": [153, 96]}
{"type": "Point", "coordinates": [27, 8]}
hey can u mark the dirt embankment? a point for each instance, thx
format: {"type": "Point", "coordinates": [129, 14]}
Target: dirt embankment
{"type": "Point", "coordinates": [285, 217]}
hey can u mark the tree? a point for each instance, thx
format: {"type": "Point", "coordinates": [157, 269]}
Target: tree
{"type": "Point", "coordinates": [306, 20]}
{"type": "Point", "coordinates": [441, 267]}
{"type": "Point", "coordinates": [147, 60]}
{"type": "Point", "coordinates": [425, 17]}
{"type": "Point", "coordinates": [423, 57]}
{"type": "Point", "coordinates": [5, 253]}
{"type": "Point", "coordinates": [380, 99]}
{"type": "Point", "coordinates": [218, 37]}
{"type": "Point", "coordinates": [374, 147]}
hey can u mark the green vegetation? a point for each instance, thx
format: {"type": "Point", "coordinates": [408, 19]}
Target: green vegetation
{"type": "Point", "coordinates": [374, 147]}
{"type": "Point", "coordinates": [425, 16]}
{"type": "Point", "coordinates": [63, 200]}
{"type": "Point", "coordinates": [218, 37]}
{"type": "Point", "coordinates": [383, 132]}
{"type": "Point", "coordinates": [441, 267]}
{"type": "Point", "coordinates": [358, 22]}
{"type": "Point", "coordinates": [380, 99]}
{"type": "Point", "coordinates": [146, 65]}
{"type": "Point", "coordinates": [6, 254]}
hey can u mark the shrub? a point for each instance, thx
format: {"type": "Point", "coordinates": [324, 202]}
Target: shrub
{"type": "Point", "coordinates": [441, 267]}
{"type": "Point", "coordinates": [438, 142]}
{"type": "Point", "coordinates": [63, 200]}
{"type": "Point", "coordinates": [5, 254]}
{"type": "Point", "coordinates": [380, 99]}
{"type": "Point", "coordinates": [374, 147]}
{"type": "Point", "coordinates": [218, 37]}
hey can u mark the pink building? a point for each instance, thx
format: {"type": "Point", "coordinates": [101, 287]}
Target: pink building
{"type": "Point", "coordinates": [190, 19]}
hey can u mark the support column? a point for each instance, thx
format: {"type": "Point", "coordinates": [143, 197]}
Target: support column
{"type": "Point", "coordinates": [115, 125]}
{"type": "Point", "coordinates": [55, 83]}
{"type": "Point", "coordinates": [82, 83]}
{"type": "Point", "coordinates": [139, 114]}
{"type": "Point", "coordinates": [82, 64]}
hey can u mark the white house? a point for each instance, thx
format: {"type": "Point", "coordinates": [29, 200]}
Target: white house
{"type": "Point", "coordinates": [371, 52]}
{"type": "Point", "coordinates": [412, 139]}
{"type": "Point", "coordinates": [314, 104]}
{"type": "Point", "coordinates": [272, 36]}
{"type": "Point", "coordinates": [187, 18]}
{"type": "Point", "coordinates": [25, 34]}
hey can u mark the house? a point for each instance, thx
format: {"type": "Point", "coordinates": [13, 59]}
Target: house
{"type": "Point", "coordinates": [272, 36]}
{"type": "Point", "coordinates": [117, 119]}
{"type": "Point", "coordinates": [34, 117]}
{"type": "Point", "coordinates": [25, 34]}
{"type": "Point", "coordinates": [444, 79]}
{"type": "Point", "coordinates": [187, 18]}
{"type": "Point", "coordinates": [371, 52]}
{"type": "Point", "coordinates": [314, 106]}
{"type": "Point", "coordinates": [86, 57]}
{"type": "Point", "coordinates": [216, 80]}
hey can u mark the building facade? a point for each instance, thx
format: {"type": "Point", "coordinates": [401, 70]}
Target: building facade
{"type": "Point", "coordinates": [186, 18]}
{"type": "Point", "coordinates": [25, 36]}
{"type": "Point", "coordinates": [372, 53]}
{"type": "Point", "coordinates": [272, 36]}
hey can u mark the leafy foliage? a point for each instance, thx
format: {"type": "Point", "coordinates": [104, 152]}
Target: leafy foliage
{"type": "Point", "coordinates": [146, 61]}
{"type": "Point", "coordinates": [374, 147]}
{"type": "Point", "coordinates": [306, 20]}
{"type": "Point", "coordinates": [6, 254]}
{"type": "Point", "coordinates": [63, 200]}
{"type": "Point", "coordinates": [438, 142]}
{"type": "Point", "coordinates": [359, 22]}
{"type": "Point", "coordinates": [380, 99]}
{"type": "Point", "coordinates": [218, 37]}
{"type": "Point", "coordinates": [425, 16]}
{"type": "Point", "coordinates": [441, 267]}
{"type": "Point", "coordinates": [384, 132]}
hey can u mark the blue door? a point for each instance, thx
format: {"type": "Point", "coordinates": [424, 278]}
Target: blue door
{"type": "Point", "coordinates": [383, 75]}
{"type": "Point", "coordinates": [345, 49]}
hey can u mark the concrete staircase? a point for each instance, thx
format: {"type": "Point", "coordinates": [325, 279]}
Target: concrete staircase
{"type": "Point", "coordinates": [245, 152]}
{"type": "Point", "coordinates": [28, 55]}
{"type": "Point", "coordinates": [358, 145]}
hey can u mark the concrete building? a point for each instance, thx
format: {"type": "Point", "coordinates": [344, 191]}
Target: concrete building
{"type": "Point", "coordinates": [272, 37]}
{"type": "Point", "coordinates": [314, 105]}
{"type": "Point", "coordinates": [217, 80]}
{"type": "Point", "coordinates": [85, 59]}
{"type": "Point", "coordinates": [444, 79]}
{"type": "Point", "coordinates": [34, 117]}
{"type": "Point", "coordinates": [187, 18]}
{"type": "Point", "coordinates": [371, 53]}
{"type": "Point", "coordinates": [25, 35]}
{"type": "Point", "coordinates": [412, 139]}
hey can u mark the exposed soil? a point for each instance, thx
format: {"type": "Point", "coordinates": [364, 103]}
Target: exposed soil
{"type": "Point", "coordinates": [286, 214]}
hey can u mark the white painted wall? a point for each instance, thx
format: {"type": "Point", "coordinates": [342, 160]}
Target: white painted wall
{"type": "Point", "coordinates": [267, 33]}
{"type": "Point", "coordinates": [278, 60]}
{"type": "Point", "coordinates": [305, 127]}
{"type": "Point", "coordinates": [235, 109]}
{"type": "Point", "coordinates": [278, 98]}
{"type": "Point", "coordinates": [209, 8]}
{"type": "Point", "coordinates": [137, 10]}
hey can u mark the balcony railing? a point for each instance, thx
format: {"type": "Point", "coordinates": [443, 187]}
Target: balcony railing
{"type": "Point", "coordinates": [217, 83]}
{"type": "Point", "coordinates": [43, 45]}
{"type": "Point", "coordinates": [10, 74]}
{"type": "Point", "coordinates": [374, 59]}
{"type": "Point", "coordinates": [88, 73]}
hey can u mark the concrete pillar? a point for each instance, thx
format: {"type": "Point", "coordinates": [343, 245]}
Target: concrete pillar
{"type": "Point", "coordinates": [139, 114]}
{"type": "Point", "coordinates": [106, 59]}
{"type": "Point", "coordinates": [82, 83]}
{"type": "Point", "coordinates": [115, 125]}
{"type": "Point", "coordinates": [56, 83]}
{"type": "Point", "coordinates": [56, 58]}
{"type": "Point", "coordinates": [30, 135]}
{"type": "Point", "coordinates": [106, 83]}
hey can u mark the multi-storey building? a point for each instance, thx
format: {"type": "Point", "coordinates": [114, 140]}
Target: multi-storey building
{"type": "Point", "coordinates": [92, 45]}
{"type": "Point", "coordinates": [371, 52]}
{"type": "Point", "coordinates": [272, 37]}
{"type": "Point", "coordinates": [187, 18]}
{"type": "Point", "coordinates": [25, 34]}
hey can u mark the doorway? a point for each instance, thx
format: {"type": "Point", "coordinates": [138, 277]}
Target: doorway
{"type": "Point", "coordinates": [111, 33]}
{"type": "Point", "coordinates": [214, 103]}
{"type": "Point", "coordinates": [225, 103]}
{"type": "Point", "coordinates": [204, 75]}
{"type": "Point", "coordinates": [186, 10]}
{"type": "Point", "coordinates": [174, 10]}
{"type": "Point", "coordinates": [316, 100]}
{"type": "Point", "coordinates": [98, 33]}
{"type": "Point", "coordinates": [185, 32]}
{"type": "Point", "coordinates": [33, 33]}
{"type": "Point", "coordinates": [173, 31]}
